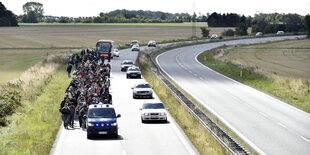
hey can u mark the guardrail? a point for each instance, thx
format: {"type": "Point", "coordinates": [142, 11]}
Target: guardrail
{"type": "Point", "coordinates": [220, 134]}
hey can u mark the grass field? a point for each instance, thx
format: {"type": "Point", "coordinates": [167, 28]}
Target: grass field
{"type": "Point", "coordinates": [280, 69]}
{"type": "Point", "coordinates": [22, 47]}
{"type": "Point", "coordinates": [23, 136]}
{"type": "Point", "coordinates": [13, 62]}
{"type": "Point", "coordinates": [198, 24]}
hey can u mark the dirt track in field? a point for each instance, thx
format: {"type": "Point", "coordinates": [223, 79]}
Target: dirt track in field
{"type": "Point", "coordinates": [287, 58]}
{"type": "Point", "coordinates": [45, 36]}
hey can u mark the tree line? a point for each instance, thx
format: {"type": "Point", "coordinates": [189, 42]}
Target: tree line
{"type": "Point", "coordinates": [7, 17]}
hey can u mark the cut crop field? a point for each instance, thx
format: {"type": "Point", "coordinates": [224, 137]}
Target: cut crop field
{"type": "Point", "coordinates": [24, 46]}
{"type": "Point", "coordinates": [51, 36]}
{"type": "Point", "coordinates": [286, 58]}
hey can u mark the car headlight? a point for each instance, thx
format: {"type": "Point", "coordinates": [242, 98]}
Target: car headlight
{"type": "Point", "coordinates": [114, 124]}
{"type": "Point", "coordinates": [90, 124]}
{"type": "Point", "coordinates": [146, 114]}
{"type": "Point", "coordinates": [135, 91]}
{"type": "Point", "coordinates": [162, 114]}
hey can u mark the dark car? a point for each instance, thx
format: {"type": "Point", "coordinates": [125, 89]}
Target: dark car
{"type": "Point", "coordinates": [101, 120]}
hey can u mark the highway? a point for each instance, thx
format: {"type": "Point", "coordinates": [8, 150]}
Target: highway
{"type": "Point", "coordinates": [267, 124]}
{"type": "Point", "coordinates": [134, 138]}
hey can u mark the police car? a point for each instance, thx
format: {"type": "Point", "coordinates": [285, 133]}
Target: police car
{"type": "Point", "coordinates": [101, 120]}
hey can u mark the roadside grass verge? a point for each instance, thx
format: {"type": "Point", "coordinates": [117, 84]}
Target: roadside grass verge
{"type": "Point", "coordinates": [200, 137]}
{"type": "Point", "coordinates": [34, 126]}
{"type": "Point", "coordinates": [293, 91]}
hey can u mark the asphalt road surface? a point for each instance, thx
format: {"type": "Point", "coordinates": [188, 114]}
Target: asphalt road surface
{"type": "Point", "coordinates": [269, 125]}
{"type": "Point", "coordinates": [134, 138]}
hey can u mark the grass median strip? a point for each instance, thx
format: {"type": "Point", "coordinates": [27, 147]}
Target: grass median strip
{"type": "Point", "coordinates": [34, 126]}
{"type": "Point", "coordinates": [200, 137]}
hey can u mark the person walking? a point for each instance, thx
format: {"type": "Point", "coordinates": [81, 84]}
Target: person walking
{"type": "Point", "coordinates": [82, 115]}
{"type": "Point", "coordinates": [71, 115]}
{"type": "Point", "coordinates": [69, 68]}
{"type": "Point", "coordinates": [65, 111]}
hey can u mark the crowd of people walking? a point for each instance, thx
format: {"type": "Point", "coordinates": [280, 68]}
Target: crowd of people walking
{"type": "Point", "coordinates": [90, 85]}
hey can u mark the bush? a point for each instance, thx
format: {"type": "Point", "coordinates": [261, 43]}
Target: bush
{"type": "Point", "coordinates": [228, 32]}
{"type": "Point", "coordinates": [205, 32]}
{"type": "Point", "coordinates": [10, 100]}
{"type": "Point", "coordinates": [242, 29]}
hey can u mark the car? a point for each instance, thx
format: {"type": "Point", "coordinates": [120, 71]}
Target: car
{"type": "Point", "coordinates": [153, 111]}
{"type": "Point", "coordinates": [101, 120]}
{"type": "Point", "coordinates": [134, 42]}
{"type": "Point", "coordinates": [133, 72]}
{"type": "Point", "coordinates": [151, 43]}
{"type": "Point", "coordinates": [125, 64]}
{"type": "Point", "coordinates": [214, 36]}
{"type": "Point", "coordinates": [280, 32]}
{"type": "Point", "coordinates": [135, 48]}
{"type": "Point", "coordinates": [116, 53]}
{"type": "Point", "coordinates": [259, 33]}
{"type": "Point", "coordinates": [142, 90]}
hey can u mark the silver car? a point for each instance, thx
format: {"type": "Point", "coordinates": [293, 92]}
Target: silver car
{"type": "Point", "coordinates": [126, 64]}
{"type": "Point", "coordinates": [155, 111]}
{"type": "Point", "coordinates": [133, 72]}
{"type": "Point", "coordinates": [142, 90]}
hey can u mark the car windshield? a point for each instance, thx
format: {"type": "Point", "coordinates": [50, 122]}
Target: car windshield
{"type": "Point", "coordinates": [103, 46]}
{"type": "Point", "coordinates": [134, 69]}
{"type": "Point", "coordinates": [128, 63]}
{"type": "Point", "coordinates": [145, 85]}
{"type": "Point", "coordinates": [101, 113]}
{"type": "Point", "coordinates": [153, 106]}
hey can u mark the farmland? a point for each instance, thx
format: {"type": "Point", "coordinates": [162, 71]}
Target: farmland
{"type": "Point", "coordinates": [24, 46]}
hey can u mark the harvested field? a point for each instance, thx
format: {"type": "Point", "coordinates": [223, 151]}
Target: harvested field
{"type": "Point", "coordinates": [286, 58]}
{"type": "Point", "coordinates": [51, 36]}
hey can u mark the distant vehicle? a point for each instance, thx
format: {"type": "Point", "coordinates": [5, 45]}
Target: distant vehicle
{"type": "Point", "coordinates": [151, 43]}
{"type": "Point", "coordinates": [214, 36]}
{"type": "Point", "coordinates": [133, 72]}
{"type": "Point", "coordinates": [153, 112]}
{"type": "Point", "coordinates": [142, 90]}
{"type": "Point", "coordinates": [116, 53]}
{"type": "Point", "coordinates": [105, 48]}
{"type": "Point", "coordinates": [280, 32]}
{"type": "Point", "coordinates": [134, 42]}
{"type": "Point", "coordinates": [259, 33]}
{"type": "Point", "coordinates": [101, 120]}
{"type": "Point", "coordinates": [135, 47]}
{"type": "Point", "coordinates": [126, 64]}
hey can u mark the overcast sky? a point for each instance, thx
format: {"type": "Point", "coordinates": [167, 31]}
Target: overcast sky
{"type": "Point", "coordinates": [76, 8]}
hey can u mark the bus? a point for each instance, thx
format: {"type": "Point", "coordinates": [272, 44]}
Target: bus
{"type": "Point", "coordinates": [105, 48]}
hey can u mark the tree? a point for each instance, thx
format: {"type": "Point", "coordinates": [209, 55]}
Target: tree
{"type": "Point", "coordinates": [241, 29]}
{"type": "Point", "coordinates": [228, 32]}
{"type": "Point", "coordinates": [33, 10]}
{"type": "Point", "coordinates": [7, 17]}
{"type": "Point", "coordinates": [163, 16]}
{"type": "Point", "coordinates": [205, 32]}
{"type": "Point", "coordinates": [307, 25]}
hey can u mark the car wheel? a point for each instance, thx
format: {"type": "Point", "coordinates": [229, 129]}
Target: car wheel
{"type": "Point", "coordinates": [139, 76]}
{"type": "Point", "coordinates": [143, 121]}
{"type": "Point", "coordinates": [133, 96]}
{"type": "Point", "coordinates": [127, 76]}
{"type": "Point", "coordinates": [89, 136]}
{"type": "Point", "coordinates": [151, 96]}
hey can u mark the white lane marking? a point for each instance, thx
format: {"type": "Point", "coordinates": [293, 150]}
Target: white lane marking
{"type": "Point", "coordinates": [195, 75]}
{"type": "Point", "coordinates": [307, 140]}
{"type": "Point", "coordinates": [124, 152]}
{"type": "Point", "coordinates": [190, 72]}
{"type": "Point", "coordinates": [200, 78]}
{"type": "Point", "coordinates": [282, 125]}
{"type": "Point", "coordinates": [263, 114]}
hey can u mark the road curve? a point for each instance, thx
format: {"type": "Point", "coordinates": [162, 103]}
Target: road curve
{"type": "Point", "coordinates": [267, 124]}
{"type": "Point", "coordinates": [134, 137]}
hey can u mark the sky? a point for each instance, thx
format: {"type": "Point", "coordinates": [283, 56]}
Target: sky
{"type": "Point", "coordinates": [86, 8]}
